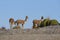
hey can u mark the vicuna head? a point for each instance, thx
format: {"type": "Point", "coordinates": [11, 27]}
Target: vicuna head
{"type": "Point", "coordinates": [11, 21]}
{"type": "Point", "coordinates": [26, 18]}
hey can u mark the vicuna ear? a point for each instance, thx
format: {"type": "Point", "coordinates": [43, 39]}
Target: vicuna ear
{"type": "Point", "coordinates": [42, 17]}
{"type": "Point", "coordinates": [26, 16]}
{"type": "Point", "coordinates": [11, 19]}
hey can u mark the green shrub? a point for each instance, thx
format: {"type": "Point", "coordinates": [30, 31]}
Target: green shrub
{"type": "Point", "coordinates": [54, 22]}
{"type": "Point", "coordinates": [41, 24]}
{"type": "Point", "coordinates": [46, 22]}
{"type": "Point", "coordinates": [14, 27]}
{"type": "Point", "coordinates": [59, 23]}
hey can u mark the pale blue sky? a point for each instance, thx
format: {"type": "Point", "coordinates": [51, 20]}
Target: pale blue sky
{"type": "Point", "coordinates": [18, 9]}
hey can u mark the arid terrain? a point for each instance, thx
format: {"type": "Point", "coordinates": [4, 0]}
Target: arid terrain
{"type": "Point", "coordinates": [45, 33]}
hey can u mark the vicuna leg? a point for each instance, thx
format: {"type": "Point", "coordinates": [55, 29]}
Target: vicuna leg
{"type": "Point", "coordinates": [22, 26]}
{"type": "Point", "coordinates": [18, 26]}
{"type": "Point", "coordinates": [10, 27]}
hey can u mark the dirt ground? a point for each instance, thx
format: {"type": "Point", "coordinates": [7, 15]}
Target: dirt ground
{"type": "Point", "coordinates": [46, 33]}
{"type": "Point", "coordinates": [31, 37]}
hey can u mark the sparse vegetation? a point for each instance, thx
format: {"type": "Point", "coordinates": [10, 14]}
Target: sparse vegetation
{"type": "Point", "coordinates": [47, 22]}
{"type": "Point", "coordinates": [59, 23]}
{"type": "Point", "coordinates": [54, 22]}
{"type": "Point", "coordinates": [3, 28]}
{"type": "Point", "coordinates": [16, 27]}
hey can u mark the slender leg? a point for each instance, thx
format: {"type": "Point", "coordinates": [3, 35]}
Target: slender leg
{"type": "Point", "coordinates": [36, 25]}
{"type": "Point", "coordinates": [11, 28]}
{"type": "Point", "coordinates": [22, 26]}
{"type": "Point", "coordinates": [18, 26]}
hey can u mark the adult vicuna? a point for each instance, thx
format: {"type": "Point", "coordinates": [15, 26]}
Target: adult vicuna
{"type": "Point", "coordinates": [11, 21]}
{"type": "Point", "coordinates": [37, 22]}
{"type": "Point", "coordinates": [18, 22]}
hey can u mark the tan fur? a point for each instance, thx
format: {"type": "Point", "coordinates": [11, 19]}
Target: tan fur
{"type": "Point", "coordinates": [11, 21]}
{"type": "Point", "coordinates": [21, 21]}
{"type": "Point", "coordinates": [36, 22]}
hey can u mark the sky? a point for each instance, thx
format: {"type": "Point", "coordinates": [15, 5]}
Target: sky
{"type": "Point", "coordinates": [34, 9]}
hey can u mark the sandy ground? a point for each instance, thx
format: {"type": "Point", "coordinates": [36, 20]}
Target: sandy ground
{"type": "Point", "coordinates": [46, 33]}
{"type": "Point", "coordinates": [31, 37]}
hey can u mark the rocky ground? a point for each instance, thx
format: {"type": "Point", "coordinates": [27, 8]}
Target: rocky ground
{"type": "Point", "coordinates": [45, 33]}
